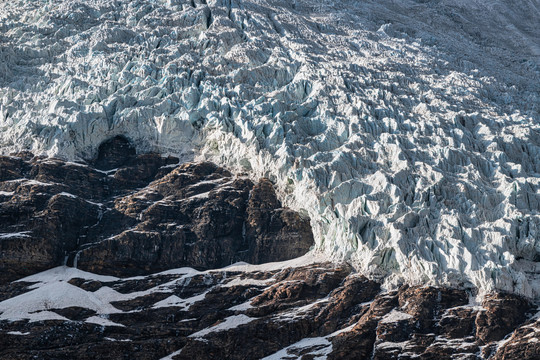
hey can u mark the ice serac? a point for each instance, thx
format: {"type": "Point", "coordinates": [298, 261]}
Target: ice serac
{"type": "Point", "coordinates": [408, 131]}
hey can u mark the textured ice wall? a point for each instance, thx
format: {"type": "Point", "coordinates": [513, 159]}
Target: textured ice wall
{"type": "Point", "coordinates": [409, 131]}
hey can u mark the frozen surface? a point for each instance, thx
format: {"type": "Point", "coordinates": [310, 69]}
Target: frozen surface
{"type": "Point", "coordinates": [22, 234]}
{"type": "Point", "coordinates": [36, 304]}
{"type": "Point", "coordinates": [395, 316]}
{"type": "Point", "coordinates": [50, 290]}
{"type": "Point", "coordinates": [103, 321]}
{"type": "Point", "coordinates": [407, 130]}
{"type": "Point", "coordinates": [174, 300]}
{"type": "Point", "coordinates": [321, 348]}
{"type": "Point", "coordinates": [308, 259]}
{"type": "Point", "coordinates": [229, 323]}
{"type": "Point", "coordinates": [170, 356]}
{"type": "Point", "coordinates": [64, 273]}
{"type": "Point", "coordinates": [246, 282]}
{"type": "Point", "coordinates": [18, 333]}
{"type": "Point", "coordinates": [318, 347]}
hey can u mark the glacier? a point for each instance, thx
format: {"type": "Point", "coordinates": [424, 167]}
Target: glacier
{"type": "Point", "coordinates": [408, 131]}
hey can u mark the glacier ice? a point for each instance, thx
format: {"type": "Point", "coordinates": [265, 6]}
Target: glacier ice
{"type": "Point", "coordinates": [408, 131]}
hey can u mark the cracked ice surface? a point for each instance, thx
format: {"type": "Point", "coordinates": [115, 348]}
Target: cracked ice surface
{"type": "Point", "coordinates": [408, 131]}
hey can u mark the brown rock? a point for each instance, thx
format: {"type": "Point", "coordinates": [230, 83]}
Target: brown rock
{"type": "Point", "coordinates": [504, 312]}
{"type": "Point", "coordinates": [145, 214]}
{"type": "Point", "coordinates": [114, 153]}
{"type": "Point", "coordinates": [272, 231]}
{"type": "Point", "coordinates": [524, 344]}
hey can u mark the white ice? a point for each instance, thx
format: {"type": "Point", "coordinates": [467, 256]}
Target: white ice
{"type": "Point", "coordinates": [408, 131]}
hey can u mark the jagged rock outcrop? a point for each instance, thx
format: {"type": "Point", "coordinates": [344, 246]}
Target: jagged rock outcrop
{"type": "Point", "coordinates": [272, 230]}
{"type": "Point", "coordinates": [294, 310]}
{"type": "Point", "coordinates": [114, 153]}
{"type": "Point", "coordinates": [135, 214]}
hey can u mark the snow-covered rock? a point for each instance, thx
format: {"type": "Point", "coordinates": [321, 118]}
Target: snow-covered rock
{"type": "Point", "coordinates": [408, 131]}
{"type": "Point", "coordinates": [282, 310]}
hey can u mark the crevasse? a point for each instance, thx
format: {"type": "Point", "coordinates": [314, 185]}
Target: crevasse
{"type": "Point", "coordinates": [408, 132]}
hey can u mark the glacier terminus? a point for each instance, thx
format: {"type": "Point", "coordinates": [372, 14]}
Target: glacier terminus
{"type": "Point", "coordinates": [408, 131]}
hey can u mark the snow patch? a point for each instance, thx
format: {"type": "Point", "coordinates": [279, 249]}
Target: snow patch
{"type": "Point", "coordinates": [18, 333]}
{"type": "Point", "coordinates": [231, 322]}
{"type": "Point", "coordinates": [103, 321]}
{"type": "Point", "coordinates": [242, 307]}
{"type": "Point", "coordinates": [65, 273]}
{"type": "Point", "coordinates": [171, 356]}
{"type": "Point", "coordinates": [395, 316]}
{"type": "Point", "coordinates": [247, 282]}
{"type": "Point", "coordinates": [320, 347]}
{"type": "Point", "coordinates": [37, 305]}
{"type": "Point", "coordinates": [176, 301]}
{"type": "Point", "coordinates": [15, 235]}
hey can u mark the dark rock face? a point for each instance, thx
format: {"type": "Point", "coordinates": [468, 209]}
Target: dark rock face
{"type": "Point", "coordinates": [502, 315]}
{"type": "Point", "coordinates": [318, 310]}
{"type": "Point", "coordinates": [114, 153]}
{"type": "Point", "coordinates": [146, 215]}
{"type": "Point", "coordinates": [523, 344]}
{"type": "Point", "coordinates": [272, 230]}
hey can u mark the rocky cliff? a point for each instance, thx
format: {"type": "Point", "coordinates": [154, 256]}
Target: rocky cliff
{"type": "Point", "coordinates": [301, 309]}
{"type": "Point", "coordinates": [129, 214]}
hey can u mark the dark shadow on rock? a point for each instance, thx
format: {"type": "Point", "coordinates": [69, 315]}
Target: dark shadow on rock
{"type": "Point", "coordinates": [114, 153]}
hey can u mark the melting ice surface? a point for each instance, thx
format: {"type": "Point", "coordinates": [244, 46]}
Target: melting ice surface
{"type": "Point", "coordinates": [408, 131]}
